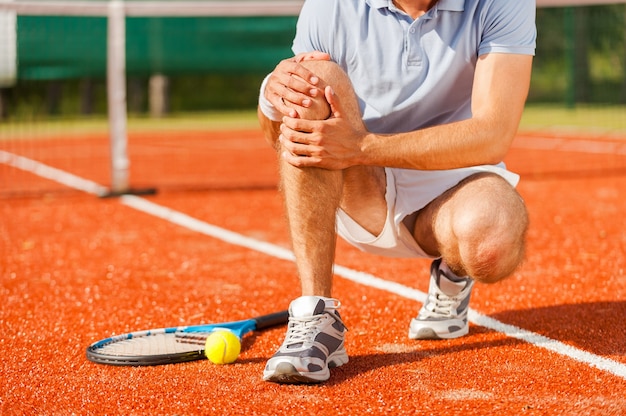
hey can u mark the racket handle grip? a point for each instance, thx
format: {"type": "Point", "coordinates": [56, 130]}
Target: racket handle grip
{"type": "Point", "coordinates": [273, 319]}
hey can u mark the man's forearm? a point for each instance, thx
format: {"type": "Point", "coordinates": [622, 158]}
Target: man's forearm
{"type": "Point", "coordinates": [501, 85]}
{"type": "Point", "coordinates": [460, 144]}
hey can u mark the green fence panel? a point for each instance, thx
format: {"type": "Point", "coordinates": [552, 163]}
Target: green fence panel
{"type": "Point", "coordinates": [75, 47]}
{"type": "Point", "coordinates": [61, 47]}
{"type": "Point", "coordinates": [215, 44]}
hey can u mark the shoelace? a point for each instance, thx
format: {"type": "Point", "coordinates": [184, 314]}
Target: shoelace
{"type": "Point", "coordinates": [303, 330]}
{"type": "Point", "coordinates": [440, 305]}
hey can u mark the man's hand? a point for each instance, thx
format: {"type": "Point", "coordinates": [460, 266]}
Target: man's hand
{"type": "Point", "coordinates": [332, 144]}
{"type": "Point", "coordinates": [292, 85]}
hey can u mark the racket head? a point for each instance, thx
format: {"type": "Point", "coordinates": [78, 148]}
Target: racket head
{"type": "Point", "coordinates": [170, 345]}
{"type": "Point", "coordinates": [152, 347]}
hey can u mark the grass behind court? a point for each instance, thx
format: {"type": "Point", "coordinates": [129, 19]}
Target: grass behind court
{"type": "Point", "coordinates": [585, 120]}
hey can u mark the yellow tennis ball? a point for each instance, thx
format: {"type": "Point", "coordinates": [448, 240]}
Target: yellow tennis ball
{"type": "Point", "coordinates": [222, 347]}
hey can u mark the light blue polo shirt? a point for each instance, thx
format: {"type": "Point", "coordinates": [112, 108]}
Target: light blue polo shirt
{"type": "Point", "coordinates": [410, 74]}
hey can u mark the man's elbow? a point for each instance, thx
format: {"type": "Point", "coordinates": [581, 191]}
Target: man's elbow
{"type": "Point", "coordinates": [500, 141]}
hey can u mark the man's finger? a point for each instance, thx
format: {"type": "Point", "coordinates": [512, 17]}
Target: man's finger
{"type": "Point", "coordinates": [333, 101]}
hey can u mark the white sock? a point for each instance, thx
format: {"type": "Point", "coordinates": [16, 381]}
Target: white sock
{"type": "Point", "coordinates": [449, 273]}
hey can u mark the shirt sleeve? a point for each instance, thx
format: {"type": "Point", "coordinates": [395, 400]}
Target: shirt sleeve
{"type": "Point", "coordinates": [509, 27]}
{"type": "Point", "coordinates": [315, 27]}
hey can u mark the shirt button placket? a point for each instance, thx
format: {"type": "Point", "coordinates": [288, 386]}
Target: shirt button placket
{"type": "Point", "coordinates": [414, 56]}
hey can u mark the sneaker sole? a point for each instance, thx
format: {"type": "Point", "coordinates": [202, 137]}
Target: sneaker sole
{"type": "Point", "coordinates": [429, 333]}
{"type": "Point", "coordinates": [286, 373]}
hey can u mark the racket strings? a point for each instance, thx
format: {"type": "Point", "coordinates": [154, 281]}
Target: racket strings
{"type": "Point", "coordinates": [196, 338]}
{"type": "Point", "coordinates": [156, 344]}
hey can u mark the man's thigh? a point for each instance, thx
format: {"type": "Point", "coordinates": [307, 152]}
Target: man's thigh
{"type": "Point", "coordinates": [363, 197]}
{"type": "Point", "coordinates": [383, 209]}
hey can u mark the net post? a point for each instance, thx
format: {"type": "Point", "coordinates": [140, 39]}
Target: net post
{"type": "Point", "coordinates": [116, 86]}
{"type": "Point", "coordinates": [8, 50]}
{"type": "Point", "coordinates": [117, 106]}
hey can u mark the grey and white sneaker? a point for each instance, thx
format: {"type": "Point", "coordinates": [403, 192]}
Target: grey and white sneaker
{"type": "Point", "coordinates": [313, 344]}
{"type": "Point", "coordinates": [444, 314]}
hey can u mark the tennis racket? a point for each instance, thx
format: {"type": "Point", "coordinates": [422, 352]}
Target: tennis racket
{"type": "Point", "coordinates": [171, 345]}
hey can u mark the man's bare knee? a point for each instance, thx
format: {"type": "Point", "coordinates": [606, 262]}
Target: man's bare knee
{"type": "Point", "coordinates": [329, 74]}
{"type": "Point", "coordinates": [482, 236]}
{"type": "Point", "coordinates": [494, 248]}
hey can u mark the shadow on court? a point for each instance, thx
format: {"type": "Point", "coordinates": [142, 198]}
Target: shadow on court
{"type": "Point", "coordinates": [597, 327]}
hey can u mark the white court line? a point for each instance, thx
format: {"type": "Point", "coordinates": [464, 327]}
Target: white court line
{"type": "Point", "coordinates": [54, 174]}
{"type": "Point", "coordinates": [365, 279]}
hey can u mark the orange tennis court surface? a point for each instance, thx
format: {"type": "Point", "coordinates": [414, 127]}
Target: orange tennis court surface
{"type": "Point", "coordinates": [76, 268]}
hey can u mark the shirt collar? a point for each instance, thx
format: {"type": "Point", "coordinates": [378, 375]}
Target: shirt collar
{"type": "Point", "coordinates": [449, 5]}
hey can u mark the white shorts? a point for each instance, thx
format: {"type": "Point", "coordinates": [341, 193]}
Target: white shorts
{"type": "Point", "coordinates": [408, 191]}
